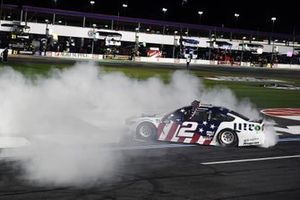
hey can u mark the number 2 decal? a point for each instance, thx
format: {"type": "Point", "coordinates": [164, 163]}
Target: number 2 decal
{"type": "Point", "coordinates": [187, 129]}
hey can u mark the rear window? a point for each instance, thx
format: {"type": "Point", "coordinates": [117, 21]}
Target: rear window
{"type": "Point", "coordinates": [239, 115]}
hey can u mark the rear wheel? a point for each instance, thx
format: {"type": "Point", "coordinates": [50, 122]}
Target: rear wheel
{"type": "Point", "coordinates": [227, 138]}
{"type": "Point", "coordinates": [146, 131]}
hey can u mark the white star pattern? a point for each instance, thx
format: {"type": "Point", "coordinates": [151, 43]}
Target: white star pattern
{"type": "Point", "coordinates": [205, 123]}
{"type": "Point", "coordinates": [212, 126]}
{"type": "Point", "coordinates": [201, 130]}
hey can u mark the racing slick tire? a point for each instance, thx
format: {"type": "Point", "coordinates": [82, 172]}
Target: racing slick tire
{"type": "Point", "coordinates": [227, 137]}
{"type": "Point", "coordinates": [146, 131]}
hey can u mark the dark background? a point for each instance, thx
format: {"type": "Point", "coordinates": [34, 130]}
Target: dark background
{"type": "Point", "coordinates": [254, 15]}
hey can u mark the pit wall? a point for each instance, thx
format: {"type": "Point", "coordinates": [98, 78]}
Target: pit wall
{"type": "Point", "coordinates": [83, 56]}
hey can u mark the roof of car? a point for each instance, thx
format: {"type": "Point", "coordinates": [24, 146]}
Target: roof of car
{"type": "Point", "coordinates": [215, 108]}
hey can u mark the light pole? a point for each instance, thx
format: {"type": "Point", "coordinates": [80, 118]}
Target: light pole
{"type": "Point", "coordinates": [1, 5]}
{"type": "Point", "coordinates": [200, 13]}
{"type": "Point", "coordinates": [273, 19]}
{"type": "Point", "coordinates": [243, 47]}
{"type": "Point", "coordinates": [47, 36]}
{"type": "Point", "coordinates": [236, 15]}
{"type": "Point", "coordinates": [93, 41]}
{"type": "Point", "coordinates": [164, 11]}
{"type": "Point", "coordinates": [175, 43]}
{"type": "Point", "coordinates": [92, 4]}
{"type": "Point", "coordinates": [53, 20]}
{"type": "Point", "coordinates": [125, 6]}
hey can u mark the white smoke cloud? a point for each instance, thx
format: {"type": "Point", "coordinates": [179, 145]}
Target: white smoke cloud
{"type": "Point", "coordinates": [71, 115]}
{"type": "Point", "coordinates": [271, 138]}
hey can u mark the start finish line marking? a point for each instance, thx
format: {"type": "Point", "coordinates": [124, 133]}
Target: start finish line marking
{"type": "Point", "coordinates": [250, 160]}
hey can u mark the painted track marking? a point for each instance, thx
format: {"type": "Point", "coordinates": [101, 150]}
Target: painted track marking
{"type": "Point", "coordinates": [250, 160]}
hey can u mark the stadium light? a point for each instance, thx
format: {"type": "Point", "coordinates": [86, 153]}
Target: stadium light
{"type": "Point", "coordinates": [164, 12]}
{"type": "Point", "coordinates": [200, 13]}
{"type": "Point", "coordinates": [125, 6]}
{"type": "Point", "coordinates": [273, 22]}
{"type": "Point", "coordinates": [92, 4]}
{"type": "Point", "coordinates": [236, 15]}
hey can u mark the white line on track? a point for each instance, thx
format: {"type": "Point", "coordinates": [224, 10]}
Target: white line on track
{"type": "Point", "coordinates": [249, 160]}
{"type": "Point", "coordinates": [289, 139]}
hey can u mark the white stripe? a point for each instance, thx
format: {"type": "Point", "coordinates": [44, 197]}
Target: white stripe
{"type": "Point", "coordinates": [175, 138]}
{"type": "Point", "coordinates": [201, 140]}
{"type": "Point", "coordinates": [165, 132]}
{"type": "Point", "coordinates": [250, 160]}
{"type": "Point", "coordinates": [187, 140]}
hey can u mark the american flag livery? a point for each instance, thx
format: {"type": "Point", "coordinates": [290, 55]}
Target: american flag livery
{"type": "Point", "coordinates": [188, 132]}
{"type": "Point", "coordinates": [206, 125]}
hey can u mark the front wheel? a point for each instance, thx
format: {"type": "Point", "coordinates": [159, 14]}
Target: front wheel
{"type": "Point", "coordinates": [146, 131]}
{"type": "Point", "coordinates": [227, 138]}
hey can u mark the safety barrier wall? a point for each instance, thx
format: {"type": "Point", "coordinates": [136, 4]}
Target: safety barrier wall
{"type": "Point", "coordinates": [82, 56]}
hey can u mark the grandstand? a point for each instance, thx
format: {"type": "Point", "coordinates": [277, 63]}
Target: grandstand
{"type": "Point", "coordinates": [44, 31]}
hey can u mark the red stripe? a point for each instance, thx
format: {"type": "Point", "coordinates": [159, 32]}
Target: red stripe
{"type": "Point", "coordinates": [195, 138]}
{"type": "Point", "coordinates": [207, 142]}
{"type": "Point", "coordinates": [172, 132]}
{"type": "Point", "coordinates": [160, 129]}
{"type": "Point", "coordinates": [181, 139]}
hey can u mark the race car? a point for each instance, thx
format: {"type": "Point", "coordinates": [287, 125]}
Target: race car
{"type": "Point", "coordinates": [207, 125]}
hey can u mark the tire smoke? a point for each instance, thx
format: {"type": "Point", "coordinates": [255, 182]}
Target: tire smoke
{"type": "Point", "coordinates": [73, 114]}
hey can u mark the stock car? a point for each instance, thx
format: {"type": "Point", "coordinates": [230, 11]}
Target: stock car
{"type": "Point", "coordinates": [208, 125]}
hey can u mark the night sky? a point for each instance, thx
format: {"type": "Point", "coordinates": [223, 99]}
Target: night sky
{"type": "Point", "coordinates": [254, 15]}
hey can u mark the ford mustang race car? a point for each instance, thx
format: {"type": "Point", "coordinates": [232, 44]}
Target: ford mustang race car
{"type": "Point", "coordinates": [208, 125]}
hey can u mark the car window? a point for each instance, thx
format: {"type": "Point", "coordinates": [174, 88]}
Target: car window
{"type": "Point", "coordinates": [181, 114]}
{"type": "Point", "coordinates": [176, 116]}
{"type": "Point", "coordinates": [221, 117]}
{"type": "Point", "coordinates": [239, 115]}
{"type": "Point", "coordinates": [200, 115]}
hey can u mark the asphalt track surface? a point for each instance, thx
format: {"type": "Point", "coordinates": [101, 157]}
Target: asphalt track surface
{"type": "Point", "coordinates": [162, 170]}
{"type": "Point", "coordinates": [180, 172]}
{"type": "Point", "coordinates": [169, 171]}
